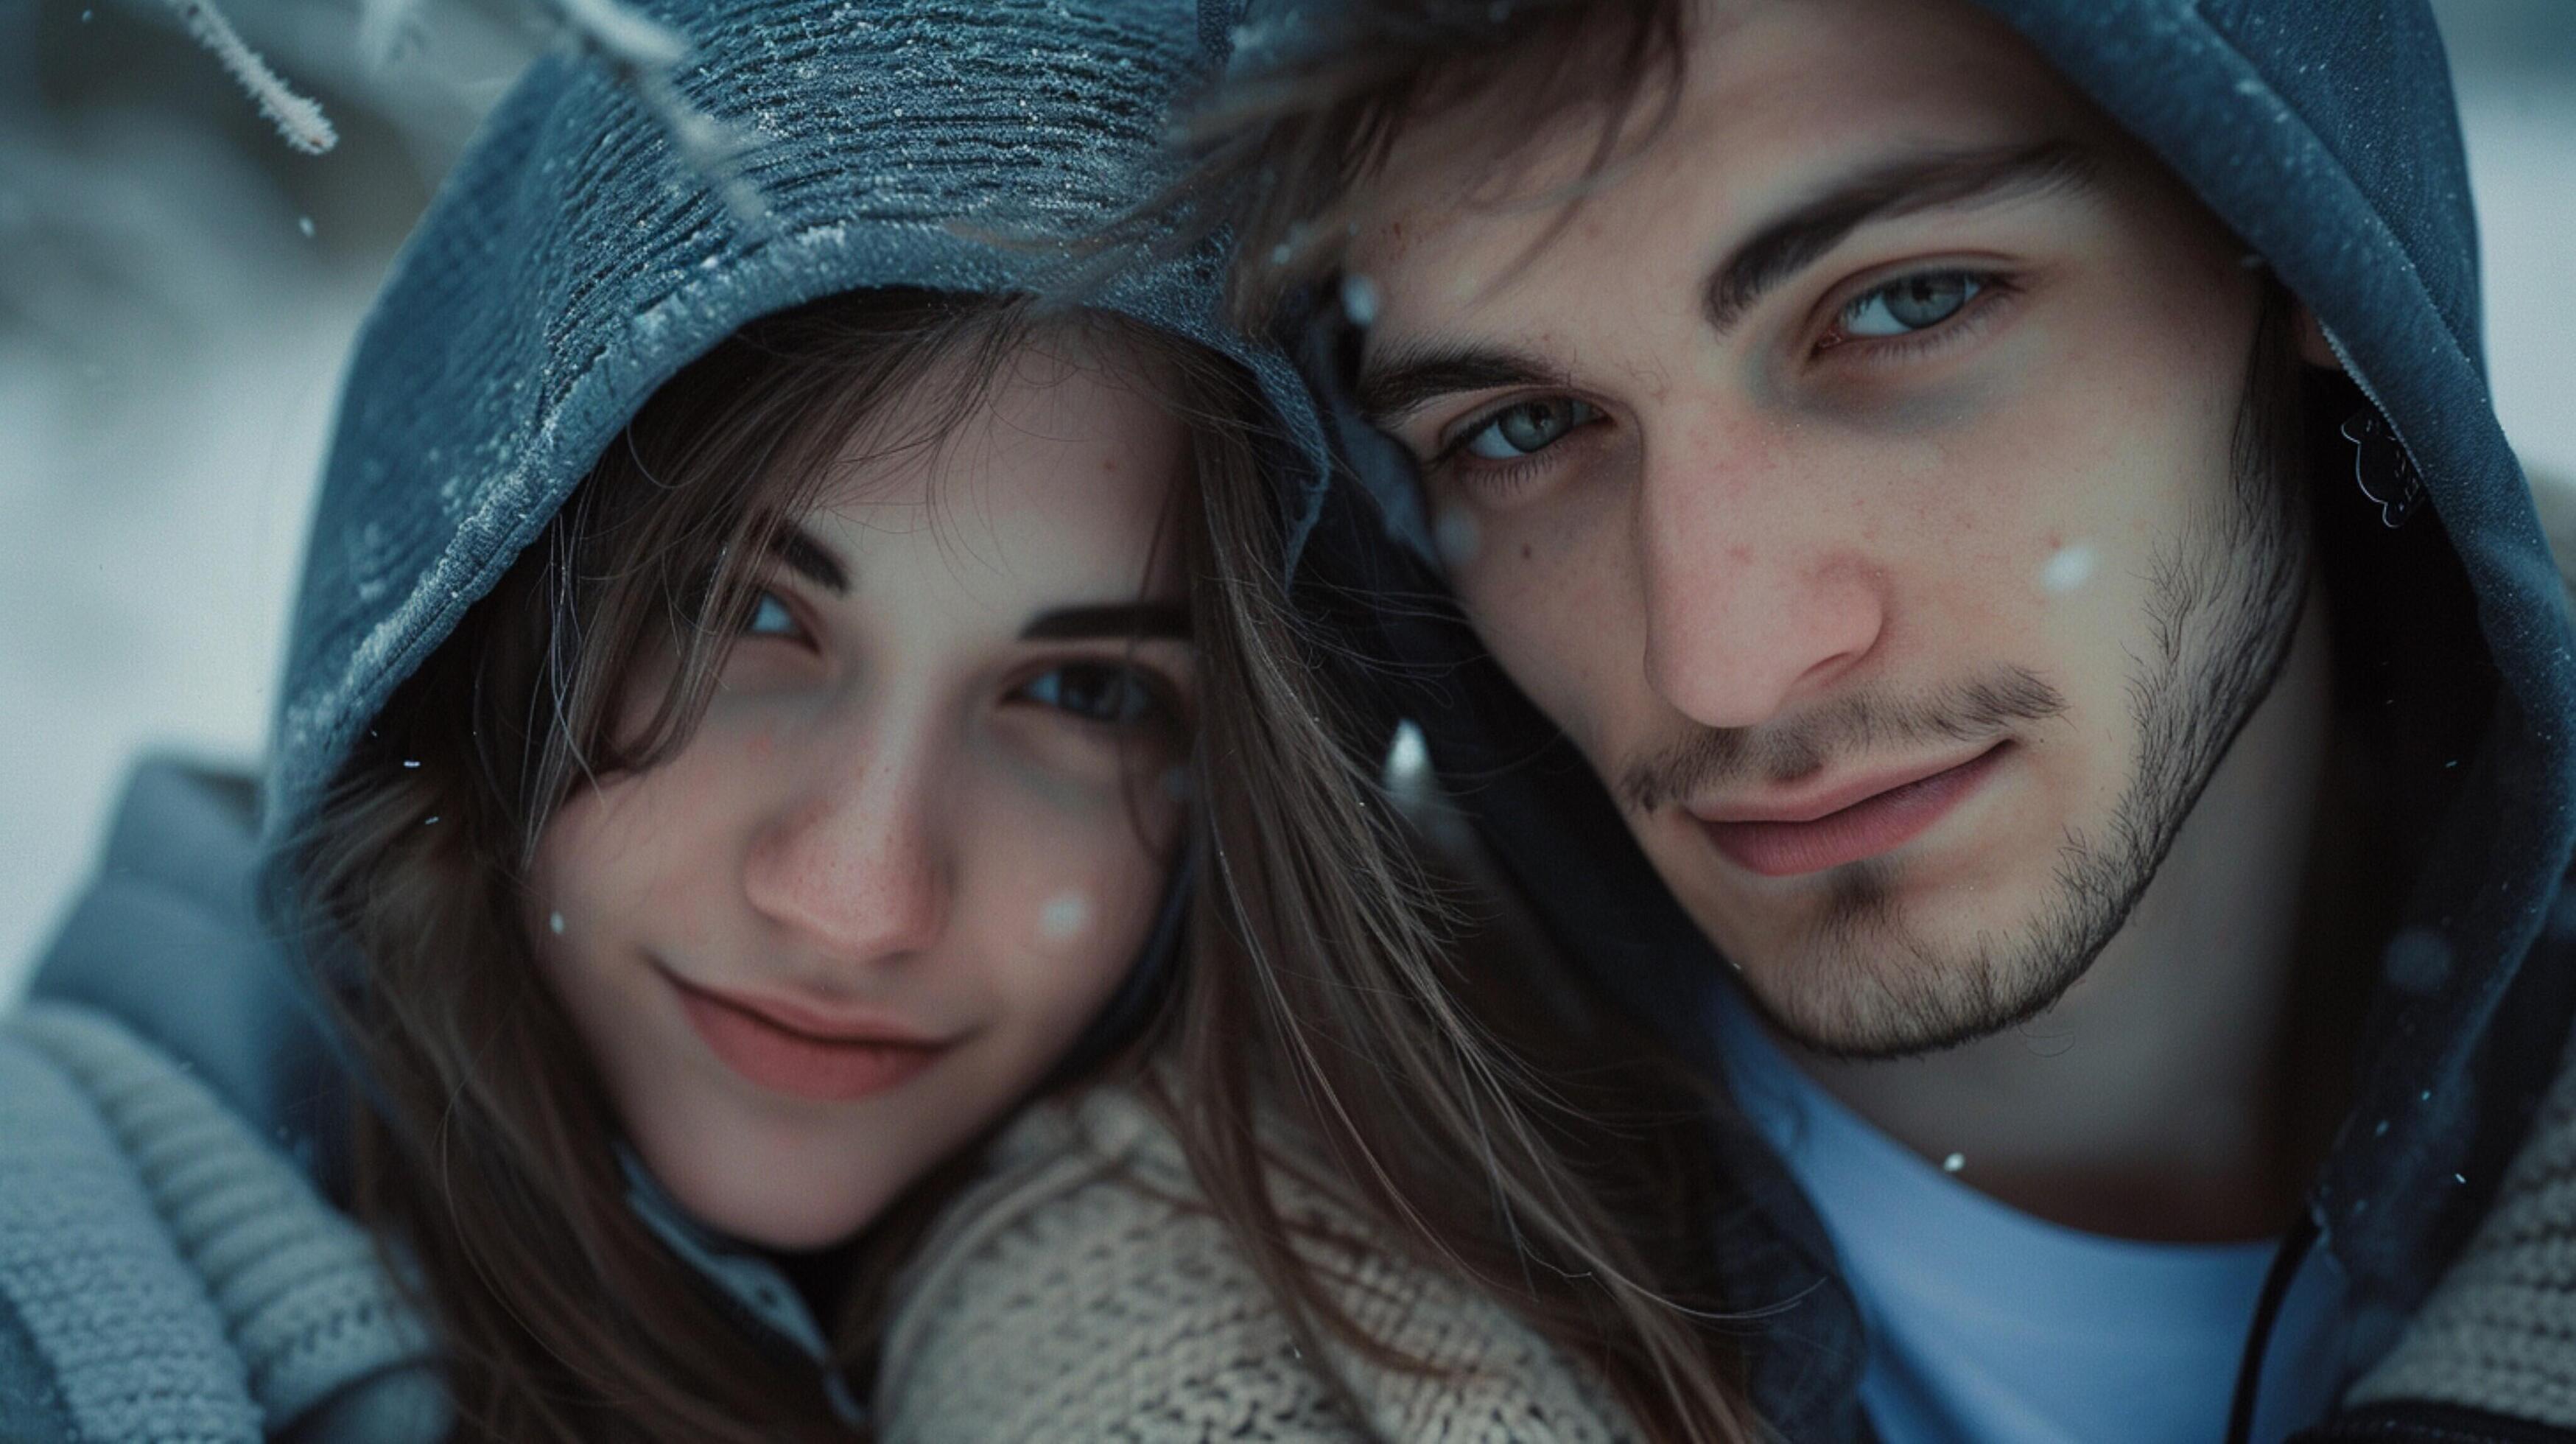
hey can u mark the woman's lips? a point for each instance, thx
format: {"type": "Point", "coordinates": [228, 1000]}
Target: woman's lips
{"type": "Point", "coordinates": [1879, 822]}
{"type": "Point", "coordinates": [799, 1061]}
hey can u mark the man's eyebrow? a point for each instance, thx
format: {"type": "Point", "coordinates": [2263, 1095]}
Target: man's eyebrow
{"type": "Point", "coordinates": [1119, 619]}
{"type": "Point", "coordinates": [1885, 188]}
{"type": "Point", "coordinates": [1412, 374]}
{"type": "Point", "coordinates": [798, 551]}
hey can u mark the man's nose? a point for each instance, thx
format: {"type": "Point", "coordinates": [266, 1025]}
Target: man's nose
{"type": "Point", "coordinates": [854, 863]}
{"type": "Point", "coordinates": [1757, 597]}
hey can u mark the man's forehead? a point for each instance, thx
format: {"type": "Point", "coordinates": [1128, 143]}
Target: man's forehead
{"type": "Point", "coordinates": [1777, 95]}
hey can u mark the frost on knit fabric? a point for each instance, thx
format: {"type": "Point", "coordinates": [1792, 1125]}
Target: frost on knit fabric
{"type": "Point", "coordinates": [639, 51]}
{"type": "Point", "coordinates": [299, 120]}
{"type": "Point", "coordinates": [577, 258]}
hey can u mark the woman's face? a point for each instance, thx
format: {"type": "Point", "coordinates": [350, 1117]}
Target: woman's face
{"type": "Point", "coordinates": [923, 831]}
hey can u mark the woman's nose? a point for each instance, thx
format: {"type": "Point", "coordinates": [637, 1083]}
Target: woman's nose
{"type": "Point", "coordinates": [855, 866]}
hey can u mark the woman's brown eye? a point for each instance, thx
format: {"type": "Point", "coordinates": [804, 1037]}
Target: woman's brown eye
{"type": "Point", "coordinates": [1526, 428]}
{"type": "Point", "coordinates": [1911, 303]}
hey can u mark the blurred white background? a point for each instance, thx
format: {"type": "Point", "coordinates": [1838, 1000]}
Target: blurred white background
{"type": "Point", "coordinates": [178, 289]}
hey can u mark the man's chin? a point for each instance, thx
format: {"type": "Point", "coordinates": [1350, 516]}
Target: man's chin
{"type": "Point", "coordinates": [1881, 985]}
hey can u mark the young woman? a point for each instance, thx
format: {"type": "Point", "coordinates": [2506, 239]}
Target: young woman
{"type": "Point", "coordinates": [847, 903]}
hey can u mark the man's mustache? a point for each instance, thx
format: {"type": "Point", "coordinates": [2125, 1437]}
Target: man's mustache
{"type": "Point", "coordinates": [1866, 721]}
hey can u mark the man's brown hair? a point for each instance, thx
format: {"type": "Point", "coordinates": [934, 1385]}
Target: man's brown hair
{"type": "Point", "coordinates": [1312, 104]}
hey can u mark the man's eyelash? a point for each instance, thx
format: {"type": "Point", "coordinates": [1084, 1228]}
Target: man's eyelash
{"type": "Point", "coordinates": [1994, 288]}
{"type": "Point", "coordinates": [1476, 426]}
{"type": "Point", "coordinates": [1502, 478]}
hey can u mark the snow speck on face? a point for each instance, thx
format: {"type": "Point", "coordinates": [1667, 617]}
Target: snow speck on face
{"type": "Point", "coordinates": [554, 924]}
{"type": "Point", "coordinates": [1063, 916]}
{"type": "Point", "coordinates": [1359, 300]}
{"type": "Point", "coordinates": [1954, 1163]}
{"type": "Point", "coordinates": [1408, 759]}
{"type": "Point", "coordinates": [2071, 567]}
{"type": "Point", "coordinates": [410, 763]}
{"type": "Point", "coordinates": [305, 224]}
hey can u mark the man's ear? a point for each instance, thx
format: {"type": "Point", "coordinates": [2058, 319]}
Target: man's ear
{"type": "Point", "coordinates": [2313, 347]}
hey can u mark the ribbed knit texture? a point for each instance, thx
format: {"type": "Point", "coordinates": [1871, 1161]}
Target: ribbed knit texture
{"type": "Point", "coordinates": [1079, 1291]}
{"type": "Point", "coordinates": [135, 1345]}
{"type": "Point", "coordinates": [2499, 1333]}
{"type": "Point", "coordinates": [572, 264]}
{"type": "Point", "coordinates": [284, 1299]}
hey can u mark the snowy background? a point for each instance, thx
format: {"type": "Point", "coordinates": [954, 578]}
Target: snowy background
{"type": "Point", "coordinates": [178, 290]}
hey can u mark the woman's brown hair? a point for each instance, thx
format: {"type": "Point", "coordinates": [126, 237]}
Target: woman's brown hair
{"type": "Point", "coordinates": [1322, 999]}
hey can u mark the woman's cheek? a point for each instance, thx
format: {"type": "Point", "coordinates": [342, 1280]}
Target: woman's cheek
{"type": "Point", "coordinates": [1069, 898]}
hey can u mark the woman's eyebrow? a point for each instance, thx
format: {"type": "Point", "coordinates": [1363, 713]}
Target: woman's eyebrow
{"type": "Point", "coordinates": [1117, 619]}
{"type": "Point", "coordinates": [798, 551]}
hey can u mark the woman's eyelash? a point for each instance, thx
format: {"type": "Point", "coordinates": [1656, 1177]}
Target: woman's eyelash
{"type": "Point", "coordinates": [1156, 699]}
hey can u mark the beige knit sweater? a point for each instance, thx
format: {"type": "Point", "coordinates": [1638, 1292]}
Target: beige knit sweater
{"type": "Point", "coordinates": [1077, 1281]}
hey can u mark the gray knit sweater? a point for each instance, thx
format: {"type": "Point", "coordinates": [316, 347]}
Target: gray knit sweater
{"type": "Point", "coordinates": [167, 1275]}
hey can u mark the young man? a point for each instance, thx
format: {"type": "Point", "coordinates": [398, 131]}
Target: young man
{"type": "Point", "coordinates": [1986, 520]}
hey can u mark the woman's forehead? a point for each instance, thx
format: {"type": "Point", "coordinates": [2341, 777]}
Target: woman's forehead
{"type": "Point", "coordinates": [1055, 485]}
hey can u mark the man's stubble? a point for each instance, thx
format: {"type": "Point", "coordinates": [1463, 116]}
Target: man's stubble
{"type": "Point", "coordinates": [2224, 606]}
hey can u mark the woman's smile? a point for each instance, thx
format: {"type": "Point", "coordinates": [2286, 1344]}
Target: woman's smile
{"type": "Point", "coordinates": [779, 1046]}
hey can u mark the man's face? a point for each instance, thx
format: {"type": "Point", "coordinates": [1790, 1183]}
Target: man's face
{"type": "Point", "coordinates": [1854, 479]}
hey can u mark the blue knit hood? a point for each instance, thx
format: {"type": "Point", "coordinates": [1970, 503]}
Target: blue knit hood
{"type": "Point", "coordinates": [2324, 133]}
{"type": "Point", "coordinates": [574, 262]}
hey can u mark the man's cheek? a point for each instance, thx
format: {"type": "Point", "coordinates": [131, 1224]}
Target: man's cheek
{"type": "Point", "coordinates": [1543, 617]}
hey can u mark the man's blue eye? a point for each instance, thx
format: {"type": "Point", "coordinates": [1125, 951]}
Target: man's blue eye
{"type": "Point", "coordinates": [1527, 428]}
{"type": "Point", "coordinates": [770, 618]}
{"type": "Point", "coordinates": [1910, 304]}
{"type": "Point", "coordinates": [1096, 692]}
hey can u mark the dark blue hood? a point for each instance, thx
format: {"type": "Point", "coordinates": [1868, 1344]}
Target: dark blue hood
{"type": "Point", "coordinates": [573, 263]}
{"type": "Point", "coordinates": [2323, 132]}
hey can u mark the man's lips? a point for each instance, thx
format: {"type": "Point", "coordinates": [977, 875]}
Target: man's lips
{"type": "Point", "coordinates": [1846, 824]}
{"type": "Point", "coordinates": [790, 1049]}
